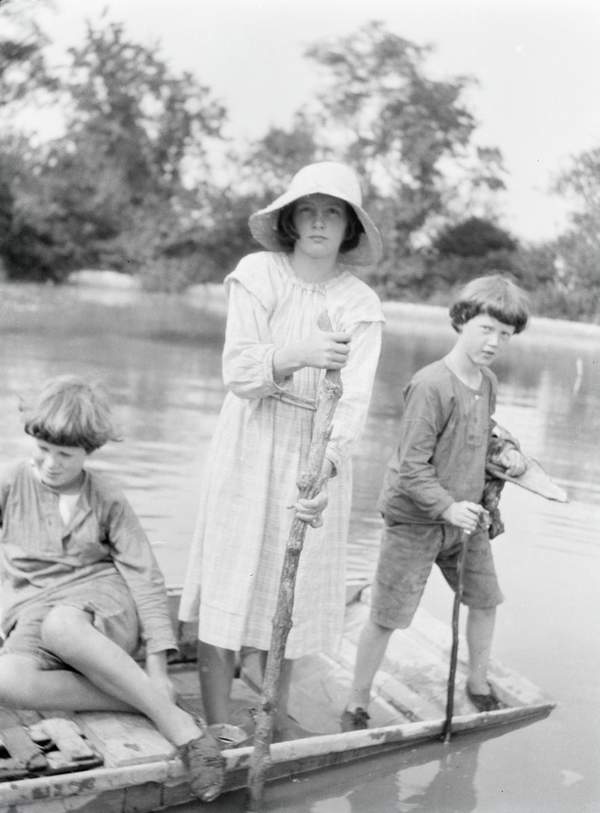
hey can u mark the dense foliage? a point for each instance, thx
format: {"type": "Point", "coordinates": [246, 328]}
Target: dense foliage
{"type": "Point", "coordinates": [144, 180]}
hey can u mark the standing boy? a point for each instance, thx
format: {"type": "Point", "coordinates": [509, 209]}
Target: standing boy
{"type": "Point", "coordinates": [433, 488]}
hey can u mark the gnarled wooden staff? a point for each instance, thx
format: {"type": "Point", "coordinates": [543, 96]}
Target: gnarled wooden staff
{"type": "Point", "coordinates": [309, 485]}
{"type": "Point", "coordinates": [460, 567]}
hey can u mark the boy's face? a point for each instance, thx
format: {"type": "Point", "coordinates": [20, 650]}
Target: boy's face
{"type": "Point", "coordinates": [58, 466]}
{"type": "Point", "coordinates": [483, 338]}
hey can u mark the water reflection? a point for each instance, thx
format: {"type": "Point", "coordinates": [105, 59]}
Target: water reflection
{"type": "Point", "coordinates": [452, 788]}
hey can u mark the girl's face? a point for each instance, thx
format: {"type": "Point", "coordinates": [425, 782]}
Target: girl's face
{"type": "Point", "coordinates": [320, 221]}
{"type": "Point", "coordinates": [59, 466]}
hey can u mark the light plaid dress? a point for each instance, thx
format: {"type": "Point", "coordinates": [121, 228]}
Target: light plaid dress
{"type": "Point", "coordinates": [258, 451]}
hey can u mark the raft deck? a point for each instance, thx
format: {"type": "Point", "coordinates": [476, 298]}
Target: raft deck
{"type": "Point", "coordinates": [107, 762]}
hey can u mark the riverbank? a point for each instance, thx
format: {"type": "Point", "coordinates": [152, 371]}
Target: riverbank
{"type": "Point", "coordinates": [211, 296]}
{"type": "Point", "coordinates": [541, 328]}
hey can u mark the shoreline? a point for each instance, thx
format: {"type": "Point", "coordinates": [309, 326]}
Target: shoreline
{"type": "Point", "coordinates": [211, 295]}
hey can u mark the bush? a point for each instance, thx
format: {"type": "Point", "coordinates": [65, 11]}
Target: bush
{"type": "Point", "coordinates": [474, 237]}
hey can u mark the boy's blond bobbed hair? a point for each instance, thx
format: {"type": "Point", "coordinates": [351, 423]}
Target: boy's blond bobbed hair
{"type": "Point", "coordinates": [70, 411]}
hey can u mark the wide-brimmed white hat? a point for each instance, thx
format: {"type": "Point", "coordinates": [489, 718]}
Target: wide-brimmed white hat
{"type": "Point", "coordinates": [325, 178]}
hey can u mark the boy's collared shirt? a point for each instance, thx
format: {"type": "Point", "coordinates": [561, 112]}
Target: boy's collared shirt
{"type": "Point", "coordinates": [440, 458]}
{"type": "Point", "coordinates": [39, 554]}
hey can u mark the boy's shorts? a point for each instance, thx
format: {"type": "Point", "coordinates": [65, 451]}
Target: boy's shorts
{"type": "Point", "coordinates": [108, 601]}
{"type": "Point", "coordinates": [407, 555]}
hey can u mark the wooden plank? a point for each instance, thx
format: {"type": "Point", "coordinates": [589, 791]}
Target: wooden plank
{"type": "Point", "coordinates": [93, 782]}
{"type": "Point", "coordinates": [320, 690]}
{"type": "Point", "coordinates": [140, 798]}
{"type": "Point", "coordinates": [513, 688]}
{"type": "Point", "coordinates": [124, 739]}
{"type": "Point", "coordinates": [67, 737]}
{"type": "Point", "coordinates": [19, 744]}
{"type": "Point", "coordinates": [106, 802]}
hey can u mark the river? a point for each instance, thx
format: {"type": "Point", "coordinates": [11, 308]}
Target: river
{"type": "Point", "coordinates": [159, 356]}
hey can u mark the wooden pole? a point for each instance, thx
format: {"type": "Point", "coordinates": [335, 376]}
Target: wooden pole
{"type": "Point", "coordinates": [309, 485]}
{"type": "Point", "coordinates": [460, 567]}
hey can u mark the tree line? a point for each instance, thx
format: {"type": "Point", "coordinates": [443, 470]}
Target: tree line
{"type": "Point", "coordinates": [145, 180]}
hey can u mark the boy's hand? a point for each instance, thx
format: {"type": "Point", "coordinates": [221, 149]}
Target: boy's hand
{"type": "Point", "coordinates": [464, 515]}
{"type": "Point", "coordinates": [512, 461]}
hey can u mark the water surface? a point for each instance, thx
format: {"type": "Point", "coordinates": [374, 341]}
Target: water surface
{"type": "Point", "coordinates": [160, 358]}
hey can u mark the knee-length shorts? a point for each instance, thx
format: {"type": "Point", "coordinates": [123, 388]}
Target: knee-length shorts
{"type": "Point", "coordinates": [106, 599]}
{"type": "Point", "coordinates": [407, 555]}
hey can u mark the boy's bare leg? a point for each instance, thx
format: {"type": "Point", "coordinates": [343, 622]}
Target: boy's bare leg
{"type": "Point", "coordinates": [109, 674]}
{"type": "Point", "coordinates": [480, 631]}
{"type": "Point", "coordinates": [372, 644]}
{"type": "Point", "coordinates": [216, 667]}
{"type": "Point", "coordinates": [24, 685]}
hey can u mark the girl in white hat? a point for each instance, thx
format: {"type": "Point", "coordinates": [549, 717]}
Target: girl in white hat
{"type": "Point", "coordinates": [273, 360]}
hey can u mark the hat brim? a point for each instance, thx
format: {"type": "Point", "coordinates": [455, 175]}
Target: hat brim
{"type": "Point", "coordinates": [263, 227]}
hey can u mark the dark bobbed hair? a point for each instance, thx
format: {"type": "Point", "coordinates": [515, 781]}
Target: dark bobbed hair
{"type": "Point", "coordinates": [288, 235]}
{"type": "Point", "coordinates": [69, 411]}
{"type": "Point", "coordinates": [495, 294]}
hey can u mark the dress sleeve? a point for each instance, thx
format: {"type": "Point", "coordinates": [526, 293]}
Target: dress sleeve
{"type": "Point", "coordinates": [423, 420]}
{"type": "Point", "coordinates": [135, 561]}
{"type": "Point", "coordinates": [357, 380]}
{"type": "Point", "coordinates": [249, 349]}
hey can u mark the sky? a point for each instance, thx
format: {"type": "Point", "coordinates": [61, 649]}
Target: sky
{"type": "Point", "coordinates": [535, 61]}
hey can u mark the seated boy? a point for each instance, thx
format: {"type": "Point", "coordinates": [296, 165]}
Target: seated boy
{"type": "Point", "coordinates": [81, 586]}
{"type": "Point", "coordinates": [433, 488]}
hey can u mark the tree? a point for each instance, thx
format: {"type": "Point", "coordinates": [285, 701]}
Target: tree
{"type": "Point", "coordinates": [273, 159]}
{"type": "Point", "coordinates": [128, 173]}
{"type": "Point", "coordinates": [578, 249]}
{"type": "Point", "coordinates": [23, 68]}
{"type": "Point", "coordinates": [402, 130]}
{"type": "Point", "coordinates": [473, 237]}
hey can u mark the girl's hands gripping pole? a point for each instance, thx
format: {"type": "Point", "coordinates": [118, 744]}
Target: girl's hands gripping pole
{"type": "Point", "coordinates": [310, 510]}
{"type": "Point", "coordinates": [324, 349]}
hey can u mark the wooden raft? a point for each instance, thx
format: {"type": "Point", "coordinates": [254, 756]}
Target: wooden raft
{"type": "Point", "coordinates": [141, 772]}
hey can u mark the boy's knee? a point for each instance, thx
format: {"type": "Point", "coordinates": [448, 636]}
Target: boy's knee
{"type": "Point", "coordinates": [376, 630]}
{"type": "Point", "coordinates": [61, 628]}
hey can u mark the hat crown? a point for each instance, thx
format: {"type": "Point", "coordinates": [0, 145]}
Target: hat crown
{"type": "Point", "coordinates": [327, 178]}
